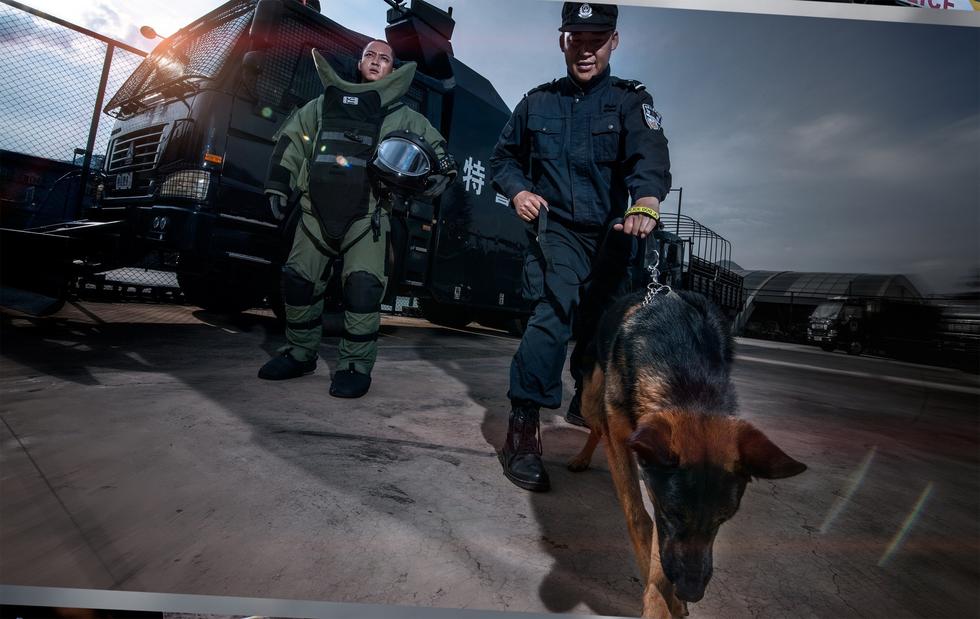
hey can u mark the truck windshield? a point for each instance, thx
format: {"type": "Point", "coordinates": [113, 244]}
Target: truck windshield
{"type": "Point", "coordinates": [196, 53]}
{"type": "Point", "coordinates": [827, 310]}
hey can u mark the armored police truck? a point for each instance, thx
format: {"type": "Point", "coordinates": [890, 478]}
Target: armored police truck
{"type": "Point", "coordinates": [187, 159]}
{"type": "Point", "coordinates": [193, 137]}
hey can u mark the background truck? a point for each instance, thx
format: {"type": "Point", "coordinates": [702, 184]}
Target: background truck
{"type": "Point", "coordinates": [895, 327]}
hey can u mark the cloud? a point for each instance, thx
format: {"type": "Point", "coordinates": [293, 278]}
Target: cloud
{"type": "Point", "coordinates": [845, 191]}
{"type": "Point", "coordinates": [819, 137]}
{"type": "Point", "coordinates": [102, 19]}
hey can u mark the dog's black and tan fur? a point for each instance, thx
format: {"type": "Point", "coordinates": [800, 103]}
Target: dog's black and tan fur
{"type": "Point", "coordinates": [661, 392]}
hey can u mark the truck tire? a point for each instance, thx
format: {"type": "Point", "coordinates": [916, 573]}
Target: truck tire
{"type": "Point", "coordinates": [827, 346]}
{"type": "Point", "coordinates": [855, 348]}
{"type": "Point", "coordinates": [455, 316]}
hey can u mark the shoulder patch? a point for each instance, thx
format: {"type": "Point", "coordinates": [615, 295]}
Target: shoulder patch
{"type": "Point", "coordinates": [651, 117]}
{"type": "Point", "coordinates": [546, 87]}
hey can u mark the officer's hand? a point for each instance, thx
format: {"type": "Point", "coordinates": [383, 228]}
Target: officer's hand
{"type": "Point", "coordinates": [640, 224]}
{"type": "Point", "coordinates": [277, 204]}
{"type": "Point", "coordinates": [637, 225]}
{"type": "Point", "coordinates": [528, 205]}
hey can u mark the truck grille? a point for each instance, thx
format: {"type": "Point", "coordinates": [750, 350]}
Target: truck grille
{"type": "Point", "coordinates": [136, 151]}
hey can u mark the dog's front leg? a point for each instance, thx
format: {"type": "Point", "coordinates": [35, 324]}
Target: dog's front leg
{"type": "Point", "coordinates": [658, 606]}
{"type": "Point", "coordinates": [654, 604]}
{"type": "Point", "coordinates": [581, 462]}
{"type": "Point", "coordinates": [658, 594]}
{"type": "Point", "coordinates": [627, 484]}
{"type": "Point", "coordinates": [593, 397]}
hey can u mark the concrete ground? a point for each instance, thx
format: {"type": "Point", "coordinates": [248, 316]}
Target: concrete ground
{"type": "Point", "coordinates": [141, 453]}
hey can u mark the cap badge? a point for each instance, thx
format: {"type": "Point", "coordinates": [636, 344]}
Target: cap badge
{"type": "Point", "coordinates": [585, 11]}
{"type": "Point", "coordinates": [652, 118]}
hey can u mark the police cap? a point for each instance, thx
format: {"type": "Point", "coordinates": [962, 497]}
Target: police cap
{"type": "Point", "coordinates": [585, 17]}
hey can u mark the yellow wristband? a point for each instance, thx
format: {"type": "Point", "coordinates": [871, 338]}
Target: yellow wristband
{"type": "Point", "coordinates": [644, 210]}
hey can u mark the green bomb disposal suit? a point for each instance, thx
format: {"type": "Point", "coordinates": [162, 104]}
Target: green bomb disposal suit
{"type": "Point", "coordinates": [322, 151]}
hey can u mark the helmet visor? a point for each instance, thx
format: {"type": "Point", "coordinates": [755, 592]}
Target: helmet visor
{"type": "Point", "coordinates": [403, 157]}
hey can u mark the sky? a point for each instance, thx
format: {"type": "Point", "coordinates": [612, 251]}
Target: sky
{"type": "Point", "coordinates": [812, 144]}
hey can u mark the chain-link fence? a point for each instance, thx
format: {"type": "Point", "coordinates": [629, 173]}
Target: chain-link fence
{"type": "Point", "coordinates": [56, 78]}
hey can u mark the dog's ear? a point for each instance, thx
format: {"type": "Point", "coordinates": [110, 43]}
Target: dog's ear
{"type": "Point", "coordinates": [760, 457]}
{"type": "Point", "coordinates": [651, 441]}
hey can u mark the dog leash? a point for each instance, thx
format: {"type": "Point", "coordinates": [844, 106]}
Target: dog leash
{"type": "Point", "coordinates": [542, 229]}
{"type": "Point", "coordinates": [655, 288]}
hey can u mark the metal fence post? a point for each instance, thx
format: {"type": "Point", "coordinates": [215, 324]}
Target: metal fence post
{"type": "Point", "coordinates": [94, 127]}
{"type": "Point", "coordinates": [680, 196]}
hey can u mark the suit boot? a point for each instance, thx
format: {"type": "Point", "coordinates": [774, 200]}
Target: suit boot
{"type": "Point", "coordinates": [349, 383]}
{"type": "Point", "coordinates": [521, 455]}
{"type": "Point", "coordinates": [285, 366]}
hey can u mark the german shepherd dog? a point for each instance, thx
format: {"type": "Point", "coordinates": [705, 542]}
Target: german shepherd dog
{"type": "Point", "coordinates": [660, 392]}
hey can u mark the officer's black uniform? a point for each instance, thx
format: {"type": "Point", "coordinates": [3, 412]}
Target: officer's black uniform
{"type": "Point", "coordinates": [586, 150]}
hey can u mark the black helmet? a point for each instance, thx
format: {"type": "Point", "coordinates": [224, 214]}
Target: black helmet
{"type": "Point", "coordinates": [403, 162]}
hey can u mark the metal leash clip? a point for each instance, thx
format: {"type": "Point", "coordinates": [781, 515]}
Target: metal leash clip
{"type": "Point", "coordinates": [654, 287]}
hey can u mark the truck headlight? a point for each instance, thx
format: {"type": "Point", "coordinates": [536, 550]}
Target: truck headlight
{"type": "Point", "coordinates": [189, 184]}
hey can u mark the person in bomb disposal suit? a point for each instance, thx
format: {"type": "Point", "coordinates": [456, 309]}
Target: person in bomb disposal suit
{"type": "Point", "coordinates": [572, 155]}
{"type": "Point", "coordinates": [322, 154]}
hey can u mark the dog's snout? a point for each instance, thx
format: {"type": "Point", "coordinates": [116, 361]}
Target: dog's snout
{"type": "Point", "coordinates": [690, 591]}
{"type": "Point", "coordinates": [690, 585]}
{"type": "Point", "coordinates": [689, 568]}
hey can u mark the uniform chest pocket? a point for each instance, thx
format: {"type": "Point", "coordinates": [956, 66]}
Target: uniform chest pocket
{"type": "Point", "coordinates": [605, 137]}
{"type": "Point", "coordinates": [546, 135]}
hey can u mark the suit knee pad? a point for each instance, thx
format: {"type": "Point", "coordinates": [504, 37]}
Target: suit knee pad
{"type": "Point", "coordinates": [362, 293]}
{"type": "Point", "coordinates": [296, 289]}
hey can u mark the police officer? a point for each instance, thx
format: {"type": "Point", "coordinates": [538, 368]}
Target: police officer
{"type": "Point", "coordinates": [574, 153]}
{"type": "Point", "coordinates": [321, 155]}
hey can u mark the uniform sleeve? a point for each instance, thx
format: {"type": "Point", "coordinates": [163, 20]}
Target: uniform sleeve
{"type": "Point", "coordinates": [647, 161]}
{"type": "Point", "coordinates": [510, 153]}
{"type": "Point", "coordinates": [294, 144]}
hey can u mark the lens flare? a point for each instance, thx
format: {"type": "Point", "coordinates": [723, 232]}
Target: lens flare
{"type": "Point", "coordinates": [856, 479]}
{"type": "Point", "coordinates": [266, 112]}
{"type": "Point", "coordinates": [906, 527]}
{"type": "Point", "coordinates": [342, 161]}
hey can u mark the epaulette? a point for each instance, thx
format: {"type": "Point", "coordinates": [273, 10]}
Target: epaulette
{"type": "Point", "coordinates": [630, 85]}
{"type": "Point", "coordinates": [551, 86]}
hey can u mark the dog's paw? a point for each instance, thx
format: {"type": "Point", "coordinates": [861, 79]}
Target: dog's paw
{"type": "Point", "coordinates": [578, 464]}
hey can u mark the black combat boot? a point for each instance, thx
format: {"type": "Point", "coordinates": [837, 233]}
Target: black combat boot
{"type": "Point", "coordinates": [574, 413]}
{"type": "Point", "coordinates": [521, 455]}
{"type": "Point", "coordinates": [349, 383]}
{"type": "Point", "coordinates": [286, 366]}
